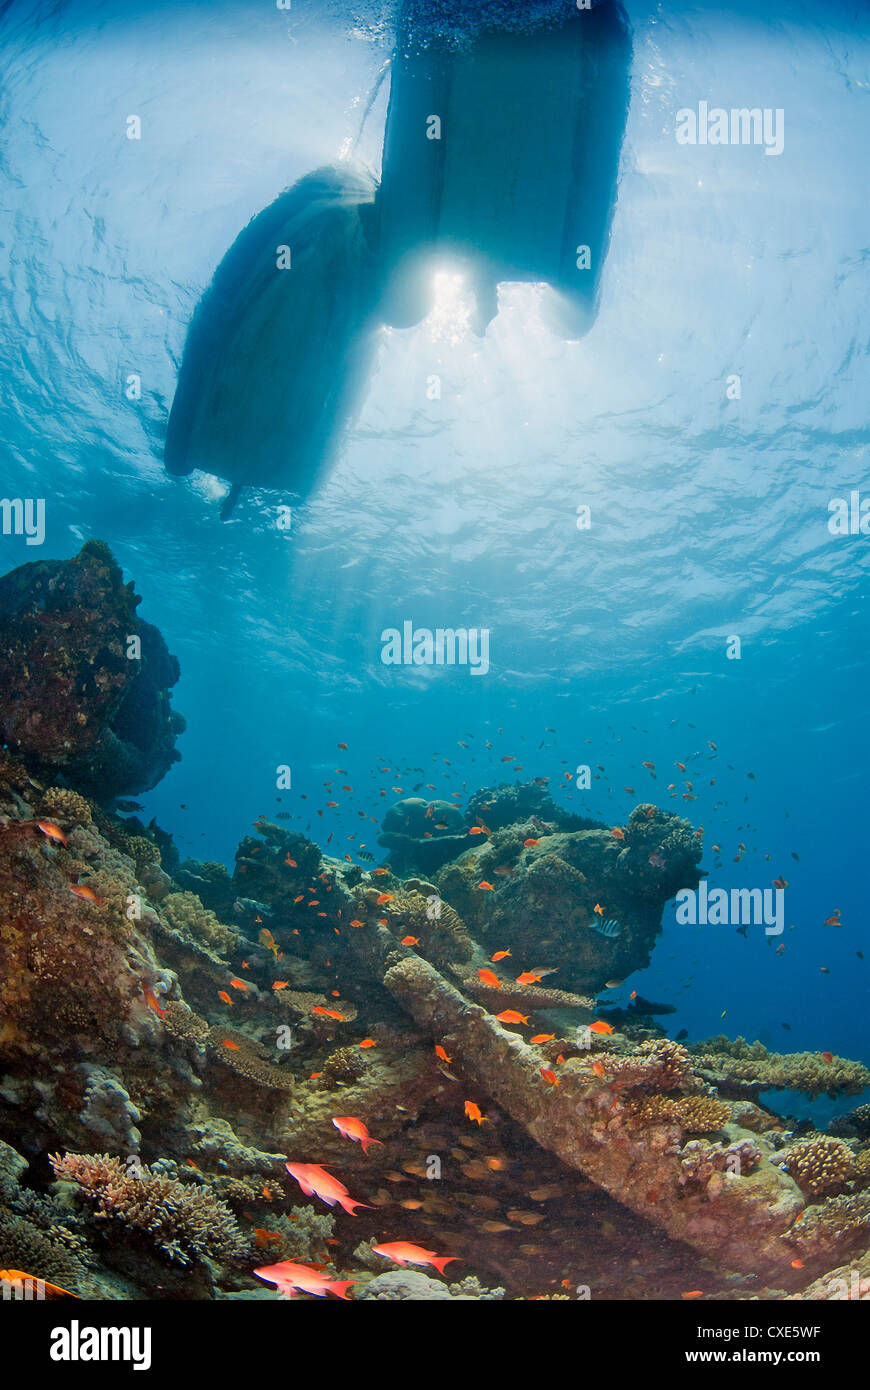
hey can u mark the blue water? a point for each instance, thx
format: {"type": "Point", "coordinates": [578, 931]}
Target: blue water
{"type": "Point", "coordinates": [709, 514]}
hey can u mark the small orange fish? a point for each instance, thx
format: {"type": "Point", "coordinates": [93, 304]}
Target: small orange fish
{"type": "Point", "coordinates": [828, 1057]}
{"type": "Point", "coordinates": [222, 994]}
{"type": "Point", "coordinates": [151, 1000]}
{"type": "Point", "coordinates": [238, 984]}
{"type": "Point", "coordinates": [349, 1127]}
{"type": "Point", "coordinates": [797, 1264]}
{"type": "Point", "coordinates": [598, 1068]}
{"type": "Point", "coordinates": [477, 830]}
{"type": "Point", "coordinates": [291, 863]}
{"type": "Point", "coordinates": [383, 898]}
{"type": "Point", "coordinates": [530, 843]}
{"type": "Point", "coordinates": [599, 909]}
{"type": "Point", "coordinates": [280, 984]}
{"type": "Point", "coordinates": [233, 1046]}
{"type": "Point", "coordinates": [833, 922]}
{"type": "Point", "coordinates": [55, 834]}
{"type": "Point", "coordinates": [379, 872]}
{"type": "Point", "coordinates": [500, 955]}
{"type": "Point", "coordinates": [17, 1278]}
{"type": "Point", "coordinates": [599, 1026]}
{"type": "Point", "coordinates": [488, 977]}
{"type": "Point", "coordinates": [618, 834]}
{"type": "Point", "coordinates": [410, 941]}
{"type": "Point", "coordinates": [472, 1110]}
{"type": "Point", "coordinates": [511, 1016]}
{"type": "Point", "coordinates": [82, 890]}
{"type": "Point", "coordinates": [442, 1053]}
{"type": "Point", "coordinates": [549, 1076]}
{"type": "Point", "coordinates": [355, 922]}
{"type": "Point", "coordinates": [368, 1042]}
{"type": "Point", "coordinates": [693, 1293]}
{"type": "Point", "coordinates": [542, 1037]}
{"type": "Point", "coordinates": [649, 766]}
{"type": "Point", "coordinates": [342, 746]}
{"type": "Point", "coordinates": [528, 977]}
{"type": "Point", "coordinates": [332, 803]}
{"type": "Point", "coordinates": [633, 994]}
{"type": "Point", "coordinates": [487, 887]}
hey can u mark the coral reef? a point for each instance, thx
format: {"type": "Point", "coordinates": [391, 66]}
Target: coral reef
{"type": "Point", "coordinates": [186, 1224]}
{"type": "Point", "coordinates": [743, 1070]}
{"type": "Point", "coordinates": [79, 700]}
{"type": "Point", "coordinates": [820, 1165]}
{"type": "Point", "coordinates": [422, 835]}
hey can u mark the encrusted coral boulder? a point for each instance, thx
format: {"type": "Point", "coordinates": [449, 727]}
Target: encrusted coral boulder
{"type": "Point", "coordinates": [79, 699]}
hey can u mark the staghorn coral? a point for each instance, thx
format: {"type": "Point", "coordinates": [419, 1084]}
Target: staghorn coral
{"type": "Point", "coordinates": [820, 1165]}
{"type": "Point", "coordinates": [186, 1224]}
{"type": "Point", "coordinates": [185, 914]}
{"type": "Point", "coordinates": [695, 1114]}
{"type": "Point", "coordinates": [511, 995]}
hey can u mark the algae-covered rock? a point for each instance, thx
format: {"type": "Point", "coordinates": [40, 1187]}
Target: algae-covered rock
{"type": "Point", "coordinates": [85, 682]}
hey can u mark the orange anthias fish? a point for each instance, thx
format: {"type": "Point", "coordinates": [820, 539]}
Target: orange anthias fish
{"type": "Point", "coordinates": [233, 1046]}
{"type": "Point", "coordinates": [383, 898]}
{"type": "Point", "coordinates": [82, 890]}
{"type": "Point", "coordinates": [500, 955]}
{"type": "Point", "coordinates": [511, 1016]}
{"type": "Point", "coordinates": [442, 1053]}
{"type": "Point", "coordinates": [152, 1001]}
{"type": "Point", "coordinates": [599, 1026]}
{"type": "Point", "coordinates": [487, 887]}
{"type": "Point", "coordinates": [489, 977]}
{"type": "Point", "coordinates": [32, 1284]}
{"type": "Point", "coordinates": [410, 941]}
{"type": "Point", "coordinates": [528, 977]}
{"type": "Point", "coordinates": [222, 994]}
{"type": "Point", "coordinates": [402, 1252]}
{"type": "Point", "coordinates": [280, 984]}
{"type": "Point", "coordinates": [542, 1037]}
{"type": "Point", "coordinates": [550, 1077]}
{"type": "Point", "coordinates": [55, 834]}
{"type": "Point", "coordinates": [472, 1110]}
{"type": "Point", "coordinates": [598, 1068]}
{"type": "Point", "coordinates": [368, 1042]}
{"type": "Point", "coordinates": [476, 830]}
{"type": "Point", "coordinates": [288, 1277]}
{"type": "Point", "coordinates": [618, 834]}
{"type": "Point", "coordinates": [693, 1293]}
{"type": "Point", "coordinates": [351, 1128]}
{"type": "Point", "coordinates": [316, 1182]}
{"type": "Point", "coordinates": [329, 1013]}
{"type": "Point", "coordinates": [238, 984]}
{"type": "Point", "coordinates": [530, 843]}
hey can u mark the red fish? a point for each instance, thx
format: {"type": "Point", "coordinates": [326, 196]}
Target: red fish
{"type": "Point", "coordinates": [472, 1111]}
{"type": "Point", "coordinates": [402, 1252]}
{"type": "Point", "coordinates": [55, 834]}
{"type": "Point", "coordinates": [222, 994]}
{"type": "Point", "coordinates": [316, 1182]}
{"type": "Point", "coordinates": [489, 977]}
{"type": "Point", "coordinates": [550, 1077]}
{"type": "Point", "coordinates": [511, 1016]}
{"type": "Point", "coordinates": [151, 1000]}
{"type": "Point", "coordinates": [530, 843]}
{"type": "Point", "coordinates": [500, 955]}
{"type": "Point", "coordinates": [82, 890]}
{"type": "Point", "coordinates": [487, 887]}
{"type": "Point", "coordinates": [599, 1026]}
{"type": "Point", "coordinates": [528, 977]}
{"type": "Point", "coordinates": [288, 1277]}
{"type": "Point", "coordinates": [442, 1053]}
{"type": "Point", "coordinates": [351, 1128]}
{"type": "Point", "coordinates": [33, 1284]}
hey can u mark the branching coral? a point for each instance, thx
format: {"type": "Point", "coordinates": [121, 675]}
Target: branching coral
{"type": "Point", "coordinates": [742, 1070]}
{"type": "Point", "coordinates": [187, 1224]}
{"type": "Point", "coordinates": [820, 1165]}
{"type": "Point", "coordinates": [695, 1114]}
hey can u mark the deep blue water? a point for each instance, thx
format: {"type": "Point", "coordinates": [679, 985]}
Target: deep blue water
{"type": "Point", "coordinates": [709, 515]}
